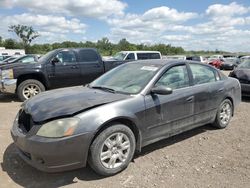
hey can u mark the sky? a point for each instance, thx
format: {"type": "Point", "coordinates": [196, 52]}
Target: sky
{"type": "Point", "coordinates": [192, 24]}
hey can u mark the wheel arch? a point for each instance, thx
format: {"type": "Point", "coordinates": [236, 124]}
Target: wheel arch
{"type": "Point", "coordinates": [125, 121]}
{"type": "Point", "coordinates": [38, 77]}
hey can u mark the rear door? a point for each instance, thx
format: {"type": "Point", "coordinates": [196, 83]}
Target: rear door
{"type": "Point", "coordinates": [91, 65]}
{"type": "Point", "coordinates": [208, 92]}
{"type": "Point", "coordinates": [63, 70]}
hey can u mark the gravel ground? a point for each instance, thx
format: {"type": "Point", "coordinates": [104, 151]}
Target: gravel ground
{"type": "Point", "coordinates": [203, 157]}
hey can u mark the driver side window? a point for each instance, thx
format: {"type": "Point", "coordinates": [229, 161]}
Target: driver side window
{"type": "Point", "coordinates": [66, 57]}
{"type": "Point", "coordinates": [175, 78]}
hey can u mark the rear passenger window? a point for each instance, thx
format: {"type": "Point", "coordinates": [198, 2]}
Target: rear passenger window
{"type": "Point", "coordinates": [88, 56]}
{"type": "Point", "coordinates": [141, 56]}
{"type": "Point", "coordinates": [154, 56]}
{"type": "Point", "coordinates": [202, 74]}
{"type": "Point", "coordinates": [175, 78]}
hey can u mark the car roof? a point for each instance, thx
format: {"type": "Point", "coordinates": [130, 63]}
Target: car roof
{"type": "Point", "coordinates": [140, 51]}
{"type": "Point", "coordinates": [163, 62]}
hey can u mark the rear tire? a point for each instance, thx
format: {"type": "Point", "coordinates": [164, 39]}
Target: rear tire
{"type": "Point", "coordinates": [112, 150]}
{"type": "Point", "coordinates": [224, 114]}
{"type": "Point", "coordinates": [29, 88]}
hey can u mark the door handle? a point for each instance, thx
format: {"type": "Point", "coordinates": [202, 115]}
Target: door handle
{"type": "Point", "coordinates": [74, 67]}
{"type": "Point", "coordinates": [190, 99]}
{"type": "Point", "coordinates": [220, 90]}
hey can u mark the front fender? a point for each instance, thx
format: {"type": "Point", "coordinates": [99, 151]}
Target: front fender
{"type": "Point", "coordinates": [130, 110]}
{"type": "Point", "coordinates": [94, 119]}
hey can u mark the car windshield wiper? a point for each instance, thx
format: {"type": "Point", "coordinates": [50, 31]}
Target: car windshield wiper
{"type": "Point", "coordinates": [103, 88]}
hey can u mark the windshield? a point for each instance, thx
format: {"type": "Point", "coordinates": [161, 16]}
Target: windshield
{"type": "Point", "coordinates": [120, 56]}
{"type": "Point", "coordinates": [129, 78]}
{"type": "Point", "coordinates": [245, 64]}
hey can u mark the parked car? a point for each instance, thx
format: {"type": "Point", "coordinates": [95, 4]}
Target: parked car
{"type": "Point", "coordinates": [20, 59]}
{"type": "Point", "coordinates": [229, 63]}
{"type": "Point", "coordinates": [136, 55]}
{"type": "Point", "coordinates": [243, 58]}
{"type": "Point", "coordinates": [179, 57]}
{"type": "Point", "coordinates": [9, 59]}
{"type": "Point", "coordinates": [215, 63]}
{"type": "Point", "coordinates": [58, 68]}
{"type": "Point", "coordinates": [129, 107]}
{"type": "Point", "coordinates": [242, 73]}
{"type": "Point", "coordinates": [198, 58]}
{"type": "Point", "coordinates": [216, 57]}
{"type": "Point", "coordinates": [3, 57]}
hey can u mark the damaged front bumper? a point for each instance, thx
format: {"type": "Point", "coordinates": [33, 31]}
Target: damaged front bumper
{"type": "Point", "coordinates": [8, 85]}
{"type": "Point", "coordinates": [7, 82]}
{"type": "Point", "coordinates": [51, 154]}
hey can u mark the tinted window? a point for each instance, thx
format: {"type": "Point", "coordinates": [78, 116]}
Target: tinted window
{"type": "Point", "coordinates": [154, 56]}
{"type": "Point", "coordinates": [131, 56]}
{"type": "Point", "coordinates": [148, 56]}
{"type": "Point", "coordinates": [194, 58]}
{"type": "Point", "coordinates": [142, 56]}
{"type": "Point", "coordinates": [175, 77]}
{"type": "Point", "coordinates": [202, 74]}
{"type": "Point", "coordinates": [66, 57]}
{"type": "Point", "coordinates": [88, 56]}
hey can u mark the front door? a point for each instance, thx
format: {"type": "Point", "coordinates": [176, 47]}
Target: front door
{"type": "Point", "coordinates": [168, 114]}
{"type": "Point", "coordinates": [63, 70]}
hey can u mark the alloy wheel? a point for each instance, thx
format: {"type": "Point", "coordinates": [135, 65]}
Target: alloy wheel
{"type": "Point", "coordinates": [115, 150]}
{"type": "Point", "coordinates": [225, 113]}
{"type": "Point", "coordinates": [31, 90]}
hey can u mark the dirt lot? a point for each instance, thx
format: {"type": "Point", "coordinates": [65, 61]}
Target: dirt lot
{"type": "Point", "coordinates": [204, 157]}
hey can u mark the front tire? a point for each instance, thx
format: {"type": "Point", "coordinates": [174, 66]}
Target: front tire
{"type": "Point", "coordinates": [29, 88]}
{"type": "Point", "coordinates": [224, 114]}
{"type": "Point", "coordinates": [112, 150]}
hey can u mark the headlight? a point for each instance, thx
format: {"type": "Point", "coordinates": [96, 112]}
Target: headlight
{"type": "Point", "coordinates": [7, 74]}
{"type": "Point", "coordinates": [59, 128]}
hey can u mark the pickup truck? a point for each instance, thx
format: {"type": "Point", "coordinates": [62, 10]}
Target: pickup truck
{"type": "Point", "coordinates": [58, 68]}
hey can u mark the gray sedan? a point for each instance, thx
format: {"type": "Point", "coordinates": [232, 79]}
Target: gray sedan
{"type": "Point", "coordinates": [127, 108]}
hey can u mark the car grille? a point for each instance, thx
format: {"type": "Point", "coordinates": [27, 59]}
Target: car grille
{"type": "Point", "coordinates": [25, 121]}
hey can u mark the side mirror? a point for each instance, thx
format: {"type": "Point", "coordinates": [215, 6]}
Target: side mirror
{"type": "Point", "coordinates": [55, 60]}
{"type": "Point", "coordinates": [161, 90]}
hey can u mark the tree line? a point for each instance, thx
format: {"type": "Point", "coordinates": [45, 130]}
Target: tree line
{"type": "Point", "coordinates": [27, 34]}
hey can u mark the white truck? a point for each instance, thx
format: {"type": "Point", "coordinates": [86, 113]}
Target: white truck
{"type": "Point", "coordinates": [136, 55]}
{"type": "Point", "coordinates": [10, 52]}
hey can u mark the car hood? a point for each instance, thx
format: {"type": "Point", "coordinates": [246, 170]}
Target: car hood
{"type": "Point", "coordinates": [66, 102]}
{"type": "Point", "coordinates": [243, 74]}
{"type": "Point", "coordinates": [18, 65]}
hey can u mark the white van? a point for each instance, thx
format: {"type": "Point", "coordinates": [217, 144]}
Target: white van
{"type": "Point", "coordinates": [137, 55]}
